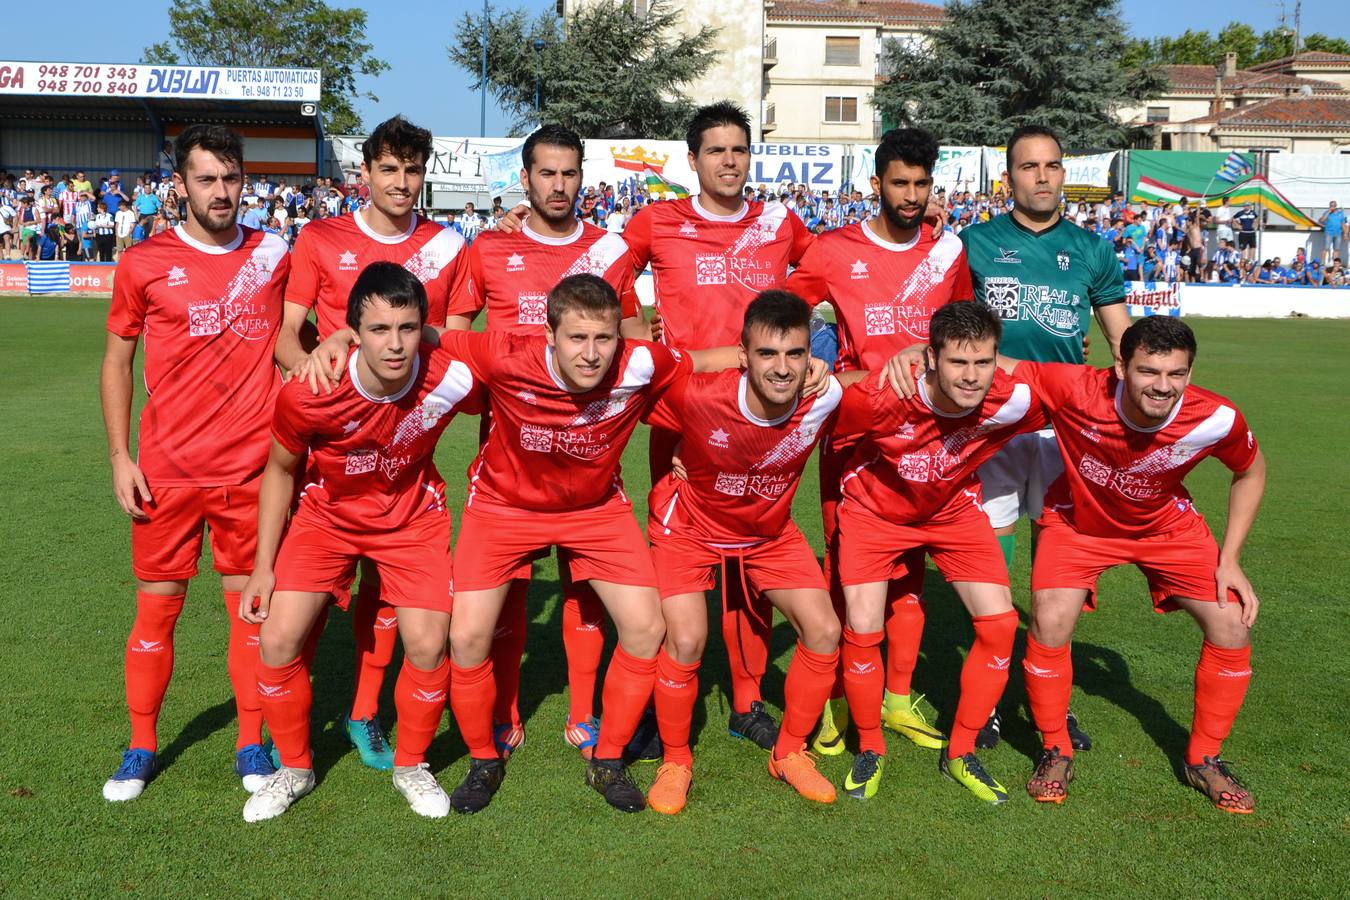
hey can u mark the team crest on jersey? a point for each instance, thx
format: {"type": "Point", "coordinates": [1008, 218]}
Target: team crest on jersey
{"type": "Point", "coordinates": [359, 462]}
{"type": "Point", "coordinates": [879, 318]}
{"type": "Point", "coordinates": [688, 230]}
{"type": "Point", "coordinates": [1002, 295]}
{"type": "Point", "coordinates": [859, 271]}
{"type": "Point", "coordinates": [177, 276]}
{"type": "Point", "coordinates": [719, 439]}
{"type": "Point", "coordinates": [432, 410]}
{"type": "Point", "coordinates": [528, 396]}
{"type": "Point", "coordinates": [1062, 258]}
{"type": "Point", "coordinates": [205, 317]}
{"type": "Point", "coordinates": [515, 263]}
{"type": "Point", "coordinates": [531, 308]}
{"type": "Point", "coordinates": [731, 484]}
{"type": "Point", "coordinates": [1007, 256]}
{"type": "Point", "coordinates": [347, 262]}
{"type": "Point", "coordinates": [710, 268]}
{"type": "Point", "coordinates": [536, 439]}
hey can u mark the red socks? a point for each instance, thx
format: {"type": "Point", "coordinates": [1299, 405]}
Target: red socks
{"type": "Point", "coordinates": [864, 685]}
{"type": "Point", "coordinates": [746, 624]}
{"type": "Point", "coordinates": [286, 697]}
{"type": "Point", "coordinates": [810, 676]}
{"type": "Point", "coordinates": [242, 661]}
{"type": "Point", "coordinates": [472, 695]}
{"type": "Point", "coordinates": [1049, 682]}
{"type": "Point", "coordinates": [419, 697]}
{"type": "Point", "coordinates": [628, 687]}
{"type": "Point", "coordinates": [676, 692]}
{"type": "Point", "coordinates": [508, 646]}
{"type": "Point", "coordinates": [983, 678]}
{"type": "Point", "coordinates": [583, 632]}
{"type": "Point", "coordinates": [375, 627]}
{"type": "Point", "coordinates": [149, 663]}
{"type": "Point", "coordinates": [1221, 679]}
{"type": "Point", "coordinates": [904, 632]}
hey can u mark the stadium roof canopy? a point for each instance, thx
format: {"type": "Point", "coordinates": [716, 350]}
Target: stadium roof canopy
{"type": "Point", "coordinates": [66, 116]}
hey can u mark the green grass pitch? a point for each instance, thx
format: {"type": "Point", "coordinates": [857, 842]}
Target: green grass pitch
{"type": "Point", "coordinates": [1129, 828]}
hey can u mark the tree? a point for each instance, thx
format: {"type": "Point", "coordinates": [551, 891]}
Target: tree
{"type": "Point", "coordinates": [997, 64]}
{"type": "Point", "coordinates": [277, 33]}
{"type": "Point", "coordinates": [607, 71]}
{"type": "Point", "coordinates": [1199, 48]}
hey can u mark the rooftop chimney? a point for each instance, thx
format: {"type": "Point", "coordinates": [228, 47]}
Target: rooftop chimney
{"type": "Point", "coordinates": [1229, 67]}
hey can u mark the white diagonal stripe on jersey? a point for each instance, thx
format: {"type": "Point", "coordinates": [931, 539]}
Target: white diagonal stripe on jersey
{"type": "Point", "coordinates": [253, 275]}
{"type": "Point", "coordinates": [762, 231]}
{"type": "Point", "coordinates": [1013, 410]}
{"type": "Point", "coordinates": [932, 269]}
{"type": "Point", "coordinates": [454, 386]}
{"type": "Point", "coordinates": [637, 374]}
{"type": "Point", "coordinates": [802, 438]}
{"type": "Point", "coordinates": [428, 262]}
{"type": "Point", "coordinates": [599, 256]}
{"type": "Point", "coordinates": [1200, 438]}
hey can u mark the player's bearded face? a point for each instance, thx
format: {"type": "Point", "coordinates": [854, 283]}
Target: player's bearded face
{"type": "Point", "coordinates": [1037, 176]}
{"type": "Point", "coordinates": [722, 161]}
{"type": "Point", "coordinates": [552, 182]}
{"type": "Point", "coordinates": [388, 340]}
{"type": "Point", "coordinates": [962, 374]}
{"type": "Point", "coordinates": [212, 186]}
{"type": "Point", "coordinates": [904, 191]}
{"type": "Point", "coordinates": [395, 184]}
{"type": "Point", "coordinates": [1154, 383]}
{"type": "Point", "coordinates": [583, 348]}
{"type": "Point", "coordinates": [776, 363]}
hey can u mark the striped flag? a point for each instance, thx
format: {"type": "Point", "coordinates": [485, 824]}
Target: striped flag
{"type": "Point", "coordinates": [1261, 193]}
{"type": "Point", "coordinates": [659, 186]}
{"type": "Point", "coordinates": [1150, 190]}
{"type": "Point", "coordinates": [48, 277]}
{"type": "Point", "coordinates": [1234, 168]}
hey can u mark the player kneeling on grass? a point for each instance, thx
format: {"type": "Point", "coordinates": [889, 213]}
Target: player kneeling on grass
{"type": "Point", "coordinates": [745, 438]}
{"type": "Point", "coordinates": [1129, 435]}
{"type": "Point", "coordinates": [918, 489]}
{"type": "Point", "coordinates": [377, 496]}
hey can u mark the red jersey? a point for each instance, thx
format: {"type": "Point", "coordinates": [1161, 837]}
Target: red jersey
{"type": "Point", "coordinates": [883, 294]}
{"type": "Point", "coordinates": [1120, 480]}
{"type": "Point", "coordinates": [511, 274]}
{"type": "Point", "coordinates": [330, 253]}
{"type": "Point", "coordinates": [209, 318]}
{"type": "Point", "coordinates": [550, 449]}
{"type": "Point", "coordinates": [370, 458]}
{"type": "Point", "coordinates": [707, 268]}
{"type": "Point", "coordinates": [920, 457]}
{"type": "Point", "coordinates": [743, 470]}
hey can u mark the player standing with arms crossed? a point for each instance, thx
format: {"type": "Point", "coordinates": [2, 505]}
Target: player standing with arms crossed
{"type": "Point", "coordinates": [206, 297]}
{"type": "Point", "coordinates": [329, 255]}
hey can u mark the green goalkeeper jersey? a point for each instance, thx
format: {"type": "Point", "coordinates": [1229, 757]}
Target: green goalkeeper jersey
{"type": "Point", "coordinates": [1042, 285]}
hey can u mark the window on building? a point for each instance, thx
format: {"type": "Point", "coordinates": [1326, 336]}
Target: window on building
{"type": "Point", "coordinates": [1159, 113]}
{"type": "Point", "coordinates": [841, 109]}
{"type": "Point", "coordinates": [842, 51]}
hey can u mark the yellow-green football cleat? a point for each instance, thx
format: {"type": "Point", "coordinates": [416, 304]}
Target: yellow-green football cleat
{"type": "Point", "coordinates": [829, 740]}
{"type": "Point", "coordinates": [905, 718]}
{"type": "Point", "coordinates": [969, 772]}
{"type": "Point", "coordinates": [863, 780]}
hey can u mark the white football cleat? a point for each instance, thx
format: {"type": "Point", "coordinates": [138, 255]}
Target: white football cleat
{"type": "Point", "coordinates": [277, 793]}
{"type": "Point", "coordinates": [423, 793]}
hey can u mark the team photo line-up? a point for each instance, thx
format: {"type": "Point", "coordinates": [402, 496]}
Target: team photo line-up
{"type": "Point", "coordinates": [295, 400]}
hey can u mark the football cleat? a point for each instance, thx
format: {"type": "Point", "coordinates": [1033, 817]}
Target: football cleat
{"type": "Point", "coordinates": [276, 795]}
{"type": "Point", "coordinates": [645, 744]}
{"type": "Point", "coordinates": [670, 790]}
{"type": "Point", "coordinates": [371, 745]}
{"type": "Point", "coordinates": [476, 790]}
{"type": "Point", "coordinates": [991, 733]}
{"type": "Point", "coordinates": [1216, 781]}
{"type": "Point", "coordinates": [582, 735]}
{"type": "Point", "coordinates": [755, 726]}
{"type": "Point", "coordinates": [131, 777]}
{"type": "Point", "coordinates": [1077, 736]}
{"type": "Point", "coordinates": [799, 771]}
{"type": "Point", "coordinates": [423, 793]}
{"type": "Point", "coordinates": [507, 738]}
{"type": "Point", "coordinates": [829, 739]}
{"type": "Point", "coordinates": [864, 778]}
{"type": "Point", "coordinates": [969, 772]}
{"type": "Point", "coordinates": [1050, 782]}
{"type": "Point", "coordinates": [905, 718]}
{"type": "Point", "coordinates": [253, 764]}
{"type": "Point", "coordinates": [611, 780]}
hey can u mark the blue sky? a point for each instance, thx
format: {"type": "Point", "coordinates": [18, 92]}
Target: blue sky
{"type": "Point", "coordinates": [421, 83]}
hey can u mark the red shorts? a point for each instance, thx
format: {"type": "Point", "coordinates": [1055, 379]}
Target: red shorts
{"type": "Point", "coordinates": [1180, 563]}
{"type": "Point", "coordinates": [166, 546]}
{"type": "Point", "coordinates": [959, 539]}
{"type": "Point", "coordinates": [686, 565]}
{"type": "Point", "coordinates": [413, 562]}
{"type": "Point", "coordinates": [604, 543]}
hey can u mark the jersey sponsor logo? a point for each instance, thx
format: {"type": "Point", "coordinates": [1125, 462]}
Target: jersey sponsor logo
{"type": "Point", "coordinates": [584, 445]}
{"type": "Point", "coordinates": [710, 268]}
{"type": "Point", "coordinates": [879, 318]}
{"type": "Point", "coordinates": [1135, 487]}
{"type": "Point", "coordinates": [536, 438]}
{"type": "Point", "coordinates": [731, 484]}
{"type": "Point", "coordinates": [531, 308]}
{"type": "Point", "coordinates": [771, 485]}
{"type": "Point", "coordinates": [719, 438]}
{"type": "Point", "coordinates": [205, 318]}
{"type": "Point", "coordinates": [177, 276]}
{"type": "Point", "coordinates": [347, 262]}
{"type": "Point", "coordinates": [1007, 256]}
{"type": "Point", "coordinates": [859, 271]}
{"type": "Point", "coordinates": [360, 462]}
{"type": "Point", "coordinates": [1002, 294]}
{"type": "Point", "coordinates": [1062, 260]}
{"type": "Point", "coordinates": [392, 465]}
{"type": "Point", "coordinates": [515, 263]}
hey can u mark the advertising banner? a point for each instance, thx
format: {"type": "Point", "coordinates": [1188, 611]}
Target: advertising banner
{"type": "Point", "coordinates": [1153, 298]}
{"type": "Point", "coordinates": [56, 277]}
{"type": "Point", "coordinates": [819, 166]}
{"type": "Point", "coordinates": [456, 162]}
{"type": "Point", "coordinates": [957, 169]}
{"type": "Point", "coordinates": [65, 79]}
